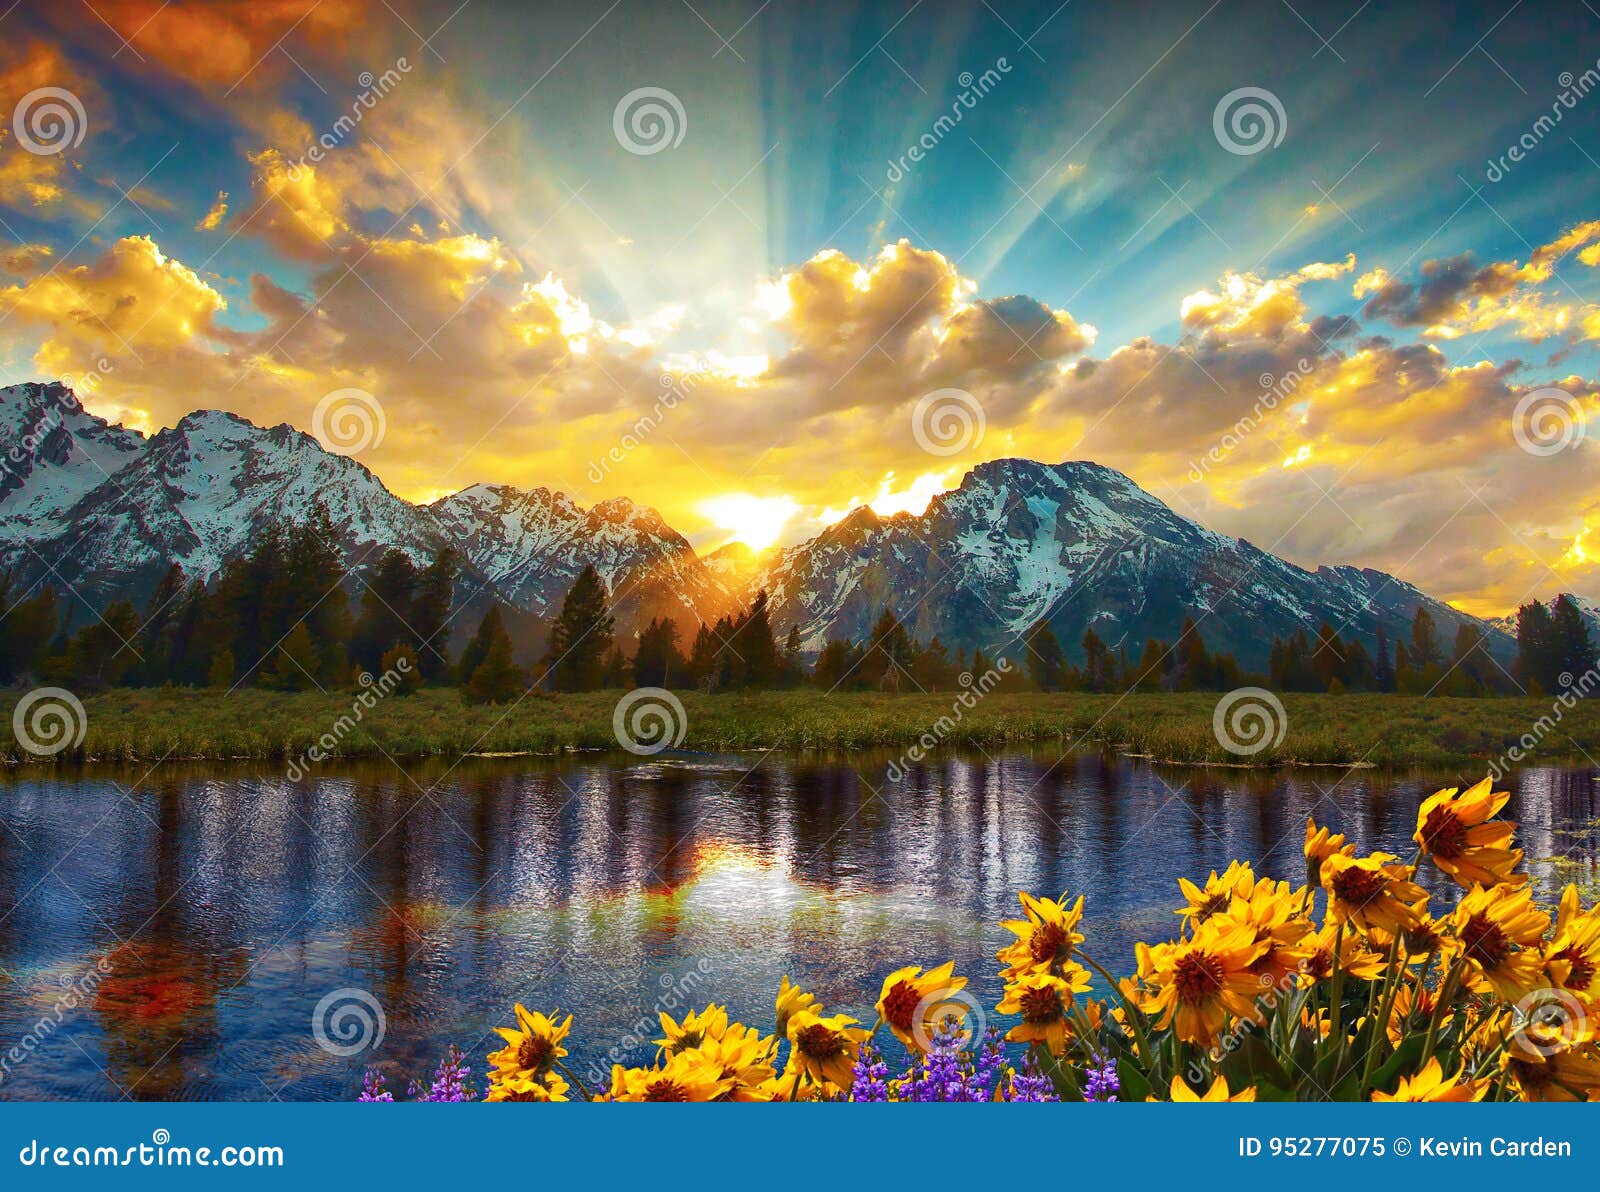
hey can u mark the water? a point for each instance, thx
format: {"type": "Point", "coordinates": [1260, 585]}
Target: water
{"type": "Point", "coordinates": [169, 934]}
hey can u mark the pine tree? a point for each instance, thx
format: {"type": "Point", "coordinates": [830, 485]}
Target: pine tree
{"type": "Point", "coordinates": [1098, 663]}
{"type": "Point", "coordinates": [1194, 664]}
{"type": "Point", "coordinates": [1537, 649]}
{"type": "Point", "coordinates": [293, 666]}
{"type": "Point", "coordinates": [1424, 651]}
{"type": "Point", "coordinates": [1383, 663]}
{"type": "Point", "coordinates": [931, 667]}
{"type": "Point", "coordinates": [399, 664]}
{"type": "Point", "coordinates": [1574, 649]}
{"type": "Point", "coordinates": [838, 665]}
{"type": "Point", "coordinates": [886, 661]}
{"type": "Point", "coordinates": [429, 617]}
{"type": "Point", "coordinates": [581, 639]}
{"type": "Point", "coordinates": [219, 673]}
{"type": "Point", "coordinates": [657, 662]}
{"type": "Point", "coordinates": [1047, 661]}
{"type": "Point", "coordinates": [754, 646]}
{"type": "Point", "coordinates": [385, 604]}
{"type": "Point", "coordinates": [27, 624]}
{"type": "Point", "coordinates": [496, 679]}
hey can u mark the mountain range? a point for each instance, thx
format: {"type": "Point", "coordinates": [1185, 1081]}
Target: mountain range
{"type": "Point", "coordinates": [101, 511]}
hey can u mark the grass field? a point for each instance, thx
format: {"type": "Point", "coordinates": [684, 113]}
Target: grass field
{"type": "Point", "coordinates": [152, 725]}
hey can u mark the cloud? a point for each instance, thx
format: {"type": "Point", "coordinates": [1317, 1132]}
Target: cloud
{"type": "Point", "coordinates": [1456, 296]}
{"type": "Point", "coordinates": [218, 211]}
{"type": "Point", "coordinates": [218, 46]}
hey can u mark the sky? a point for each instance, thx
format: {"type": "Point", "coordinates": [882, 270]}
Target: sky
{"type": "Point", "coordinates": [1319, 275]}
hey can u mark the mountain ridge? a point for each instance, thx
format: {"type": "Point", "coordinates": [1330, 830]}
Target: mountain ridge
{"type": "Point", "coordinates": [104, 509]}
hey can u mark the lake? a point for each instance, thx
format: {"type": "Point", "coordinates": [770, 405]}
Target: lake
{"type": "Point", "coordinates": [168, 934]}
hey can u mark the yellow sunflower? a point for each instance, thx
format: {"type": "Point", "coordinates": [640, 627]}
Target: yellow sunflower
{"type": "Point", "coordinates": [1044, 1000]}
{"type": "Point", "coordinates": [516, 1087]}
{"type": "Point", "coordinates": [791, 1000]}
{"type": "Point", "coordinates": [695, 1029]}
{"type": "Point", "coordinates": [1564, 1074]}
{"type": "Point", "coordinates": [1430, 1085]}
{"type": "Point", "coordinates": [1196, 984]}
{"type": "Point", "coordinates": [1181, 1092]}
{"type": "Point", "coordinates": [1371, 892]}
{"type": "Point", "coordinates": [686, 1076]}
{"type": "Point", "coordinates": [1046, 938]}
{"type": "Point", "coordinates": [1459, 832]}
{"type": "Point", "coordinates": [911, 1001]}
{"type": "Point", "coordinates": [744, 1057]}
{"type": "Point", "coordinates": [1572, 958]}
{"type": "Point", "coordinates": [1274, 913]}
{"type": "Point", "coordinates": [533, 1047]}
{"type": "Point", "coordinates": [1498, 931]}
{"type": "Point", "coordinates": [1201, 902]}
{"type": "Point", "coordinates": [1356, 956]}
{"type": "Point", "coordinates": [1320, 845]}
{"type": "Point", "coordinates": [824, 1049]}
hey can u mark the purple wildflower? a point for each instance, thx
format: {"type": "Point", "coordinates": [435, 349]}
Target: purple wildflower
{"type": "Point", "coordinates": [1102, 1083]}
{"type": "Point", "coordinates": [871, 1083]}
{"type": "Point", "coordinates": [372, 1087]}
{"type": "Point", "coordinates": [1030, 1084]}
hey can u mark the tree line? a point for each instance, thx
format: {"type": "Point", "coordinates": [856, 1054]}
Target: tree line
{"type": "Point", "coordinates": [278, 617]}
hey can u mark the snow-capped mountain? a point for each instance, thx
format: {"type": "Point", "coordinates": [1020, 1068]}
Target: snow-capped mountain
{"type": "Point", "coordinates": [1079, 545]}
{"type": "Point", "coordinates": [531, 545]}
{"type": "Point", "coordinates": [104, 510]}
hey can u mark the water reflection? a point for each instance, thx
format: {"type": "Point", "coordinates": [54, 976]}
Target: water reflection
{"type": "Point", "coordinates": [220, 906]}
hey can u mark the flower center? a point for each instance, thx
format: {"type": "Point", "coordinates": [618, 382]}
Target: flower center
{"type": "Point", "coordinates": [1484, 942]}
{"type": "Point", "coordinates": [901, 1005]}
{"type": "Point", "coordinates": [1041, 1005]}
{"type": "Point", "coordinates": [1198, 976]}
{"type": "Point", "coordinates": [665, 1089]}
{"type": "Point", "coordinates": [1443, 835]}
{"type": "Point", "coordinates": [1357, 887]}
{"type": "Point", "coordinates": [535, 1053]}
{"type": "Point", "coordinates": [1583, 969]}
{"type": "Point", "coordinates": [819, 1042]}
{"type": "Point", "coordinates": [1048, 942]}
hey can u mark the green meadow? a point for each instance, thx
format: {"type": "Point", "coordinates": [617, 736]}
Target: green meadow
{"type": "Point", "coordinates": [156, 724]}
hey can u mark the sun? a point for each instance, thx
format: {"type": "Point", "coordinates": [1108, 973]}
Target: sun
{"type": "Point", "coordinates": [754, 521]}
